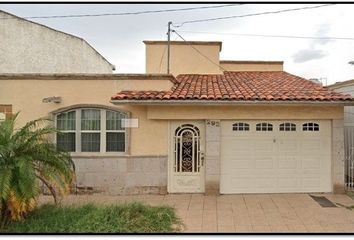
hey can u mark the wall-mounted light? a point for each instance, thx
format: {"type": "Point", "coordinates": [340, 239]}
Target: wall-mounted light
{"type": "Point", "coordinates": [52, 99]}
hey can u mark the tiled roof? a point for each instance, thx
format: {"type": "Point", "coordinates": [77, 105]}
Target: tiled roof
{"type": "Point", "coordinates": [240, 86]}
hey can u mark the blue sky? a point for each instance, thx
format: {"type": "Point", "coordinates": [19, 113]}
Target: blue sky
{"type": "Point", "coordinates": [119, 38]}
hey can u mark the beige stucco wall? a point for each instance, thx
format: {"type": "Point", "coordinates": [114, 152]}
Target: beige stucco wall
{"type": "Point", "coordinates": [151, 137]}
{"type": "Point", "coordinates": [144, 85]}
{"type": "Point", "coordinates": [184, 59]}
{"type": "Point", "coordinates": [26, 96]}
{"type": "Point", "coordinates": [245, 112]}
{"type": "Point", "coordinates": [28, 47]}
{"type": "Point", "coordinates": [244, 66]}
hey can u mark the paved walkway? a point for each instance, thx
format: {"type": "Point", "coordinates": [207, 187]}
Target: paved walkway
{"type": "Point", "coordinates": [244, 213]}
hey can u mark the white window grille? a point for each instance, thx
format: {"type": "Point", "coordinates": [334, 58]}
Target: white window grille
{"type": "Point", "coordinates": [91, 130]}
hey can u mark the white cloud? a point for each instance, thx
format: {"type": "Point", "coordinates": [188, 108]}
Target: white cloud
{"type": "Point", "coordinates": [308, 55]}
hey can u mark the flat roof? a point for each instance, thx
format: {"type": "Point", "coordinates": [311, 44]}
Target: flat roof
{"type": "Point", "coordinates": [251, 62]}
{"type": "Point", "coordinates": [85, 76]}
{"type": "Point", "coordinates": [341, 84]}
{"type": "Point", "coordinates": [151, 42]}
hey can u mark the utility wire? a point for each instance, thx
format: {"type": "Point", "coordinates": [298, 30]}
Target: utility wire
{"type": "Point", "coordinates": [216, 64]}
{"type": "Point", "coordinates": [249, 15]}
{"type": "Point", "coordinates": [272, 36]}
{"type": "Point", "coordinates": [130, 13]}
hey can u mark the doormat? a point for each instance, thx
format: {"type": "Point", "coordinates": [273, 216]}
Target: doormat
{"type": "Point", "coordinates": [323, 201]}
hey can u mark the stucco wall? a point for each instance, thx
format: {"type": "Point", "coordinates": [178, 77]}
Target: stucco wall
{"type": "Point", "coordinates": [28, 47]}
{"type": "Point", "coordinates": [245, 112]}
{"type": "Point", "coordinates": [26, 96]}
{"type": "Point", "coordinates": [348, 110]}
{"type": "Point", "coordinates": [184, 59]}
{"type": "Point", "coordinates": [241, 66]}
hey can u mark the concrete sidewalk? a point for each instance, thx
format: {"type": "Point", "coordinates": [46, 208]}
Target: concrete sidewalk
{"type": "Point", "coordinates": [263, 213]}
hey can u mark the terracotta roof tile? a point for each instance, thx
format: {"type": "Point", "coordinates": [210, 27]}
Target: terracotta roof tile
{"type": "Point", "coordinates": [238, 86]}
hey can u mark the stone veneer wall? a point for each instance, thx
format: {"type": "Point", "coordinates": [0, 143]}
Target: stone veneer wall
{"type": "Point", "coordinates": [338, 156]}
{"type": "Point", "coordinates": [212, 156]}
{"type": "Point", "coordinates": [122, 175]}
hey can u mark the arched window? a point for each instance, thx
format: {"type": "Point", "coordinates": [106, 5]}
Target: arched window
{"type": "Point", "coordinates": [288, 127]}
{"type": "Point", "coordinates": [264, 127]}
{"type": "Point", "coordinates": [91, 130]}
{"type": "Point", "coordinates": [240, 126]}
{"type": "Point", "coordinates": [310, 127]}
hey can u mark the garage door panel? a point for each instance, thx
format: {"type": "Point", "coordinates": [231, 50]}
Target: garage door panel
{"type": "Point", "coordinates": [264, 163]}
{"type": "Point", "coordinates": [308, 146]}
{"type": "Point", "coordinates": [265, 145]}
{"type": "Point", "coordinates": [268, 182]}
{"type": "Point", "coordinates": [287, 162]}
{"type": "Point", "coordinates": [288, 146]}
{"type": "Point", "coordinates": [288, 182]}
{"type": "Point", "coordinates": [311, 182]}
{"type": "Point", "coordinates": [241, 164]}
{"type": "Point", "coordinates": [275, 161]}
{"type": "Point", "coordinates": [311, 163]}
{"type": "Point", "coordinates": [241, 182]}
{"type": "Point", "coordinates": [235, 147]}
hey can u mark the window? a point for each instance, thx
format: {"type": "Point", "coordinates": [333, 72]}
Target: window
{"type": "Point", "coordinates": [91, 130]}
{"type": "Point", "coordinates": [310, 127]}
{"type": "Point", "coordinates": [287, 127]}
{"type": "Point", "coordinates": [240, 127]}
{"type": "Point", "coordinates": [66, 123]}
{"type": "Point", "coordinates": [115, 134]}
{"type": "Point", "coordinates": [263, 127]}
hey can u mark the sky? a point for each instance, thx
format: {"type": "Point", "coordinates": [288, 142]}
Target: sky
{"type": "Point", "coordinates": [120, 38]}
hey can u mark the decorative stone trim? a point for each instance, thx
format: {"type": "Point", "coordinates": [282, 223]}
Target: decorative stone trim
{"type": "Point", "coordinates": [338, 156]}
{"type": "Point", "coordinates": [212, 156]}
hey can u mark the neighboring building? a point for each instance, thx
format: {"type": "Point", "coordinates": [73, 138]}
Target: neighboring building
{"type": "Point", "coordinates": [233, 127]}
{"type": "Point", "coordinates": [347, 87]}
{"type": "Point", "coordinates": [29, 47]}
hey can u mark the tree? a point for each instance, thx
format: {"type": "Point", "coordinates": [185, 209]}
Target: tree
{"type": "Point", "coordinates": [27, 157]}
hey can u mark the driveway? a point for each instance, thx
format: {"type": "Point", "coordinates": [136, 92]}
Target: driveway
{"type": "Point", "coordinates": [263, 213]}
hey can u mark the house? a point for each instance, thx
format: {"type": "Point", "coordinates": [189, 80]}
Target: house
{"type": "Point", "coordinates": [29, 47]}
{"type": "Point", "coordinates": [209, 127]}
{"type": "Point", "coordinates": [347, 87]}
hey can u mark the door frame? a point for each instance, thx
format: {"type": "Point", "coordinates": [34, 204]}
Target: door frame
{"type": "Point", "coordinates": [170, 163]}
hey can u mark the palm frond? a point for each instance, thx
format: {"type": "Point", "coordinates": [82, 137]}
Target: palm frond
{"type": "Point", "coordinates": [27, 157]}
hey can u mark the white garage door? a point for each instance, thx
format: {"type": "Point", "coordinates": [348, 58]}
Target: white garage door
{"type": "Point", "coordinates": [275, 156]}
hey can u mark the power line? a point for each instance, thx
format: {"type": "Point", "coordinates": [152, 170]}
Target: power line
{"type": "Point", "coordinates": [199, 51]}
{"type": "Point", "coordinates": [251, 14]}
{"type": "Point", "coordinates": [272, 36]}
{"type": "Point", "coordinates": [129, 13]}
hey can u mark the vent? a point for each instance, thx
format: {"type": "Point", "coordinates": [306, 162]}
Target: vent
{"type": "Point", "coordinates": [323, 201]}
